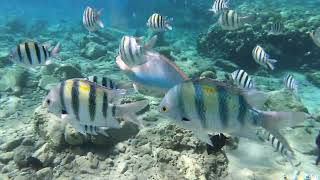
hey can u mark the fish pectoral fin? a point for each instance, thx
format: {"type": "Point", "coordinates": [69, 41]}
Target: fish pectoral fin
{"type": "Point", "coordinates": [100, 23]}
{"type": "Point", "coordinates": [204, 137]}
{"type": "Point", "coordinates": [112, 122]}
{"type": "Point", "coordinates": [151, 42]}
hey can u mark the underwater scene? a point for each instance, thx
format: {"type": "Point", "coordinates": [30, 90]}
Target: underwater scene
{"type": "Point", "coordinates": [160, 90]}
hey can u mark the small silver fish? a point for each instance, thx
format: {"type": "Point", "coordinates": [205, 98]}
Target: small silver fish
{"type": "Point", "coordinates": [262, 58]}
{"type": "Point", "coordinates": [230, 20]}
{"type": "Point", "coordinates": [219, 6]}
{"type": "Point", "coordinates": [242, 79]}
{"type": "Point", "coordinates": [315, 36]}
{"type": "Point", "coordinates": [31, 54]}
{"type": "Point", "coordinates": [207, 106]}
{"type": "Point", "coordinates": [89, 107]}
{"type": "Point", "coordinates": [276, 28]}
{"type": "Point", "coordinates": [158, 23]}
{"type": "Point", "coordinates": [91, 19]}
{"type": "Point", "coordinates": [290, 83]}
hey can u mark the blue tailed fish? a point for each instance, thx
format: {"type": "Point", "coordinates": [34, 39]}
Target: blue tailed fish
{"type": "Point", "coordinates": [262, 58]}
{"type": "Point", "coordinates": [88, 107]}
{"type": "Point", "coordinates": [91, 19]}
{"type": "Point", "coordinates": [219, 6]}
{"type": "Point", "coordinates": [132, 51]}
{"type": "Point", "coordinates": [206, 106]}
{"type": "Point", "coordinates": [32, 54]}
{"type": "Point", "coordinates": [231, 20]}
{"type": "Point", "coordinates": [279, 143]}
{"type": "Point", "coordinates": [158, 73]}
{"type": "Point", "coordinates": [158, 23]}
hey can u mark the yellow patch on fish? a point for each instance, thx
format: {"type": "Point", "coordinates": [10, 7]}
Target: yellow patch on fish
{"type": "Point", "coordinates": [209, 89]}
{"type": "Point", "coordinates": [84, 87]}
{"type": "Point", "coordinates": [68, 87]}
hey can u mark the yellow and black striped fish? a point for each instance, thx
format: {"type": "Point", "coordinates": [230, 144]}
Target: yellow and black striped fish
{"type": "Point", "coordinates": [85, 104]}
{"type": "Point", "coordinates": [158, 23]}
{"type": "Point", "coordinates": [205, 106]}
{"type": "Point", "coordinates": [262, 58]}
{"type": "Point", "coordinates": [30, 54]}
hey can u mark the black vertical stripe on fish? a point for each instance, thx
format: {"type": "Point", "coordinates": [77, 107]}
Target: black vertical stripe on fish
{"type": "Point", "coordinates": [88, 17]}
{"type": "Point", "coordinates": [61, 95]}
{"type": "Point", "coordinates": [159, 21]}
{"type": "Point", "coordinates": [49, 53]}
{"type": "Point", "coordinates": [113, 110]}
{"type": "Point", "coordinates": [105, 105]}
{"type": "Point", "coordinates": [75, 98]}
{"type": "Point", "coordinates": [19, 53]}
{"type": "Point", "coordinates": [36, 46]}
{"type": "Point", "coordinates": [26, 45]}
{"type": "Point", "coordinates": [233, 18]}
{"type": "Point", "coordinates": [92, 102]}
{"type": "Point", "coordinates": [95, 79]}
{"type": "Point", "coordinates": [199, 103]}
{"type": "Point", "coordinates": [269, 134]}
{"type": "Point", "coordinates": [45, 53]}
{"type": "Point", "coordinates": [223, 106]}
{"type": "Point", "coordinates": [111, 84]}
{"type": "Point", "coordinates": [90, 128]}
{"type": "Point", "coordinates": [86, 127]}
{"type": "Point", "coordinates": [278, 144]}
{"type": "Point", "coordinates": [272, 140]}
{"type": "Point", "coordinates": [226, 18]}
{"type": "Point", "coordinates": [282, 148]}
{"type": "Point", "coordinates": [242, 110]}
{"type": "Point", "coordinates": [104, 82]}
{"type": "Point", "coordinates": [124, 50]}
{"type": "Point", "coordinates": [130, 51]}
{"type": "Point", "coordinates": [180, 100]}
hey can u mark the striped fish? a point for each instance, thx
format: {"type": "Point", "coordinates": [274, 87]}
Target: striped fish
{"type": "Point", "coordinates": [219, 6]}
{"type": "Point", "coordinates": [242, 79]}
{"type": "Point", "coordinates": [280, 146]}
{"type": "Point", "coordinates": [230, 20]}
{"type": "Point", "coordinates": [276, 28]}
{"type": "Point", "coordinates": [158, 23]}
{"type": "Point", "coordinates": [290, 83]}
{"type": "Point", "coordinates": [85, 104]}
{"type": "Point", "coordinates": [109, 83]}
{"type": "Point", "coordinates": [205, 106]}
{"type": "Point", "coordinates": [132, 52]}
{"type": "Point", "coordinates": [262, 58]}
{"type": "Point", "coordinates": [31, 54]}
{"type": "Point", "coordinates": [315, 36]}
{"type": "Point", "coordinates": [91, 19]}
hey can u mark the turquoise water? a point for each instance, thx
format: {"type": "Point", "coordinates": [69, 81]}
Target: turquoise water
{"type": "Point", "coordinates": [129, 121]}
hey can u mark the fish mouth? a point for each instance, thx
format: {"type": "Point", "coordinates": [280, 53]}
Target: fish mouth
{"type": "Point", "coordinates": [185, 119]}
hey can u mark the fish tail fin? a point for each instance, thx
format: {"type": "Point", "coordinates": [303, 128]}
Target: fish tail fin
{"type": "Point", "coordinates": [55, 51]}
{"type": "Point", "coordinates": [272, 120]}
{"type": "Point", "coordinates": [130, 111]}
{"type": "Point", "coordinates": [270, 63]}
{"type": "Point", "coordinates": [168, 22]}
{"type": "Point", "coordinates": [151, 42]}
{"type": "Point", "coordinates": [99, 12]}
{"type": "Point", "coordinates": [248, 19]}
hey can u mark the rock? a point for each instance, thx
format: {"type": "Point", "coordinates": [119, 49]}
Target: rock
{"type": "Point", "coordinates": [4, 177]}
{"type": "Point", "coordinates": [21, 154]}
{"type": "Point", "coordinates": [68, 71]}
{"type": "Point", "coordinates": [283, 100]}
{"type": "Point", "coordinates": [47, 82]}
{"type": "Point", "coordinates": [13, 80]}
{"type": "Point", "coordinates": [209, 74]}
{"type": "Point", "coordinates": [73, 137]}
{"type": "Point", "coordinates": [45, 154]}
{"type": "Point", "coordinates": [12, 144]}
{"type": "Point", "coordinates": [6, 157]}
{"type": "Point", "coordinates": [94, 51]}
{"type": "Point", "coordinates": [86, 164]}
{"type": "Point", "coordinates": [44, 174]}
{"type": "Point", "coordinates": [226, 65]}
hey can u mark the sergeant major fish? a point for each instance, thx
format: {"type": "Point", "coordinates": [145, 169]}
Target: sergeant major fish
{"type": "Point", "coordinates": [262, 58]}
{"type": "Point", "coordinates": [279, 144]}
{"type": "Point", "coordinates": [206, 106]}
{"type": "Point", "coordinates": [91, 19]}
{"type": "Point", "coordinates": [31, 54]}
{"type": "Point", "coordinates": [276, 28]}
{"type": "Point", "coordinates": [132, 52]}
{"type": "Point", "coordinates": [88, 107]}
{"type": "Point", "coordinates": [242, 79]}
{"type": "Point", "coordinates": [219, 6]}
{"type": "Point", "coordinates": [230, 20]}
{"type": "Point", "coordinates": [290, 83]}
{"type": "Point", "coordinates": [158, 23]}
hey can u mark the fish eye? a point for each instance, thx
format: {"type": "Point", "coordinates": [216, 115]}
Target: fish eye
{"type": "Point", "coordinates": [164, 109]}
{"type": "Point", "coordinates": [48, 101]}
